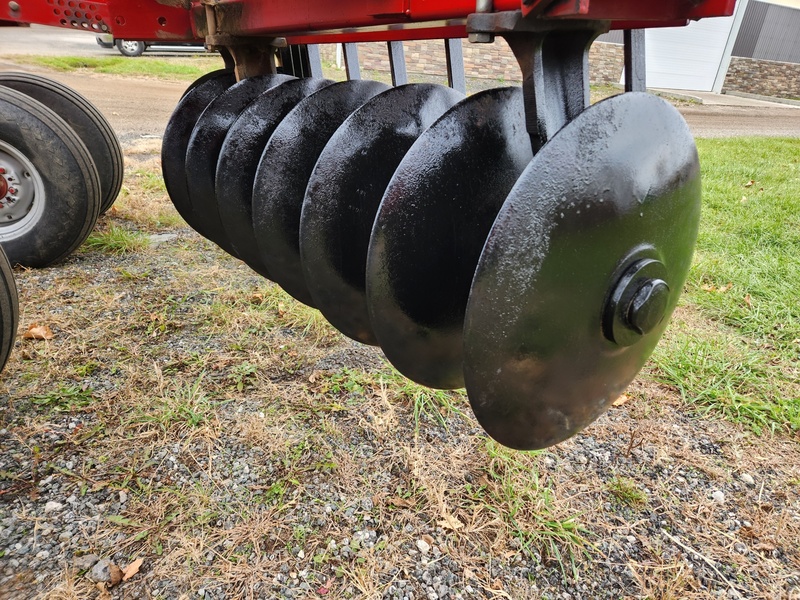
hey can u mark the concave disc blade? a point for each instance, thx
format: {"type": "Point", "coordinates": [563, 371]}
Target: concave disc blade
{"type": "Point", "coordinates": [622, 180]}
{"type": "Point", "coordinates": [177, 134]}
{"type": "Point", "coordinates": [344, 192]}
{"type": "Point", "coordinates": [282, 176]}
{"type": "Point", "coordinates": [205, 145]}
{"type": "Point", "coordinates": [430, 228]}
{"type": "Point", "coordinates": [206, 77]}
{"type": "Point", "coordinates": [238, 161]}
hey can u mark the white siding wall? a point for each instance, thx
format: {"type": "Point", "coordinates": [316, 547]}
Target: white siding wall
{"type": "Point", "coordinates": [687, 58]}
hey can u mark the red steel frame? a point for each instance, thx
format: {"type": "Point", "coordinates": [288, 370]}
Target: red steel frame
{"type": "Point", "coordinates": [335, 20]}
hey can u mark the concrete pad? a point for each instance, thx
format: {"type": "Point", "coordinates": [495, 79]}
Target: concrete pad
{"type": "Point", "coordinates": [712, 99]}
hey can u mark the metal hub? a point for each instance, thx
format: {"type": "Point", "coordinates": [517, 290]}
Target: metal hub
{"type": "Point", "coordinates": [638, 302]}
{"type": "Point", "coordinates": [20, 187]}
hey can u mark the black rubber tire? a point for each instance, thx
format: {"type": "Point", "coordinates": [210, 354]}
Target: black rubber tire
{"type": "Point", "coordinates": [126, 51]}
{"type": "Point", "coordinates": [9, 309]}
{"type": "Point", "coordinates": [66, 204]}
{"type": "Point", "coordinates": [88, 122]}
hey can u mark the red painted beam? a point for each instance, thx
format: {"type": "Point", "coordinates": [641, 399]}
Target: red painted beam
{"type": "Point", "coordinates": [343, 20]}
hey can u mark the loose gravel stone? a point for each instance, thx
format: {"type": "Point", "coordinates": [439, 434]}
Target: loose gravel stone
{"type": "Point", "coordinates": [85, 561]}
{"type": "Point", "coordinates": [101, 571]}
{"type": "Point", "coordinates": [52, 506]}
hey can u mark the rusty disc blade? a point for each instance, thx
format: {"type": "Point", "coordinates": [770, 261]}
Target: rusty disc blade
{"type": "Point", "coordinates": [344, 192]}
{"type": "Point", "coordinates": [431, 225]}
{"type": "Point", "coordinates": [286, 165]}
{"type": "Point", "coordinates": [599, 197]}
{"type": "Point", "coordinates": [238, 161]}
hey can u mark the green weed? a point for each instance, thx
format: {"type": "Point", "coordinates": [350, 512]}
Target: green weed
{"type": "Point", "coordinates": [117, 240]}
{"type": "Point", "coordinates": [526, 506]}
{"type": "Point", "coordinates": [187, 407]}
{"type": "Point", "coordinates": [626, 491]}
{"type": "Point", "coordinates": [243, 375]}
{"type": "Point", "coordinates": [68, 398]}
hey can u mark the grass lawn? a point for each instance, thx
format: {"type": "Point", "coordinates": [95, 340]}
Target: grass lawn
{"type": "Point", "coordinates": [734, 344]}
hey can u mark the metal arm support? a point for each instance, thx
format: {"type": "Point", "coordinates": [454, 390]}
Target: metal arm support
{"type": "Point", "coordinates": [635, 70]}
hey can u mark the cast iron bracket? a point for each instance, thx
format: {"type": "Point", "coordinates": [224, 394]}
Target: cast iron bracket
{"type": "Point", "coordinates": [554, 59]}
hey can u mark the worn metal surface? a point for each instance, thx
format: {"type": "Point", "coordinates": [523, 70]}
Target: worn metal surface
{"type": "Point", "coordinates": [205, 145]}
{"type": "Point", "coordinates": [176, 139]}
{"type": "Point", "coordinates": [238, 161]}
{"type": "Point", "coordinates": [286, 165]}
{"type": "Point", "coordinates": [430, 228]}
{"type": "Point", "coordinates": [344, 192]}
{"type": "Point", "coordinates": [538, 367]}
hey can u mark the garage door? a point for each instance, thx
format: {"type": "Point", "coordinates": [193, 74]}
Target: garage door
{"type": "Point", "coordinates": [695, 57]}
{"type": "Point", "coordinates": [687, 58]}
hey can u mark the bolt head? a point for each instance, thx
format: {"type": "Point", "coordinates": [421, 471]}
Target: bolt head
{"type": "Point", "coordinates": [648, 306]}
{"type": "Point", "coordinates": [637, 302]}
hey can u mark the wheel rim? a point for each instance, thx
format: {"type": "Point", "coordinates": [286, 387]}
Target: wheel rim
{"type": "Point", "coordinates": [129, 46]}
{"type": "Point", "coordinates": [23, 198]}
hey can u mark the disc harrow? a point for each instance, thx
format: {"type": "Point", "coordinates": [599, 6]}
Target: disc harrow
{"type": "Point", "coordinates": [517, 242]}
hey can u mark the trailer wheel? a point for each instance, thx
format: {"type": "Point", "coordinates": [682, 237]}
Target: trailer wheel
{"type": "Point", "coordinates": [9, 309]}
{"type": "Point", "coordinates": [49, 187]}
{"type": "Point", "coordinates": [88, 122]}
